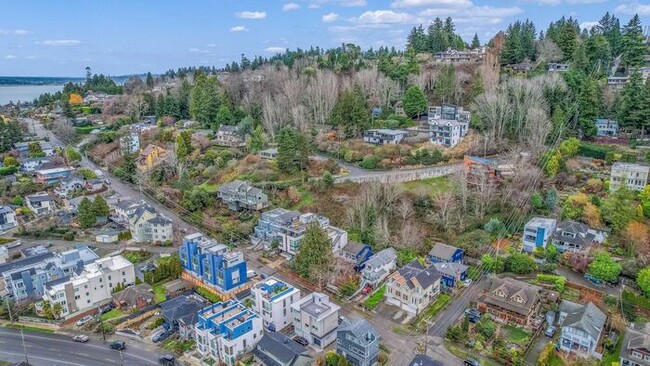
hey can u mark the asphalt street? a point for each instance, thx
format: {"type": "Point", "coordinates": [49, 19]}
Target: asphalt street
{"type": "Point", "coordinates": [59, 350]}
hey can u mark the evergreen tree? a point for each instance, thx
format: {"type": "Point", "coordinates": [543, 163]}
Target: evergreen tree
{"type": "Point", "coordinates": [634, 47]}
{"type": "Point", "coordinates": [417, 39]}
{"type": "Point", "coordinates": [414, 102]}
{"type": "Point", "coordinates": [224, 116]}
{"type": "Point", "coordinates": [182, 149]}
{"type": "Point", "coordinates": [564, 33]}
{"type": "Point", "coordinates": [632, 98]}
{"type": "Point", "coordinates": [10, 133]}
{"type": "Point", "coordinates": [149, 82]}
{"type": "Point", "coordinates": [314, 260]}
{"type": "Point", "coordinates": [257, 140]}
{"type": "Point", "coordinates": [351, 112]}
{"type": "Point", "coordinates": [445, 84]}
{"type": "Point", "coordinates": [100, 207]}
{"type": "Point", "coordinates": [293, 151]}
{"type": "Point", "coordinates": [86, 214]}
{"type": "Point", "coordinates": [519, 43]}
{"type": "Point", "coordinates": [599, 53]}
{"type": "Point", "coordinates": [475, 42]}
{"type": "Point", "coordinates": [204, 100]}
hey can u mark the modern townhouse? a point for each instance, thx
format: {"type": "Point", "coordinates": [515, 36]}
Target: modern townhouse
{"type": "Point", "coordinates": [448, 124]}
{"type": "Point", "coordinates": [355, 253]}
{"type": "Point", "coordinates": [315, 318]}
{"type": "Point", "coordinates": [606, 127]}
{"type": "Point", "coordinates": [213, 266]}
{"type": "Point", "coordinates": [358, 342]}
{"type": "Point", "coordinates": [40, 203]}
{"type": "Point", "coordinates": [511, 301]}
{"type": "Point", "coordinates": [229, 136]}
{"type": "Point", "coordinates": [413, 287]}
{"type": "Point", "coordinates": [276, 349]}
{"type": "Point", "coordinates": [636, 345]}
{"type": "Point", "coordinates": [630, 175]}
{"type": "Point", "coordinates": [445, 253]}
{"type": "Point", "coordinates": [25, 277]}
{"type": "Point", "coordinates": [147, 225]}
{"type": "Point", "coordinates": [7, 218]}
{"type": "Point", "coordinates": [241, 195]}
{"type": "Point", "coordinates": [384, 136]}
{"type": "Point", "coordinates": [572, 236]}
{"type": "Point", "coordinates": [378, 267]}
{"type": "Point", "coordinates": [225, 331]}
{"type": "Point", "coordinates": [272, 300]}
{"type": "Point", "coordinates": [582, 326]}
{"type": "Point", "coordinates": [537, 233]}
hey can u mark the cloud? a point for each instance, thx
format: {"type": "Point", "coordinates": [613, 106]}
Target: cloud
{"type": "Point", "coordinates": [330, 17]}
{"type": "Point", "coordinates": [472, 14]}
{"type": "Point", "coordinates": [588, 25]}
{"type": "Point", "coordinates": [10, 57]}
{"type": "Point", "coordinates": [633, 8]}
{"type": "Point", "coordinates": [61, 42]}
{"type": "Point", "coordinates": [420, 3]}
{"type": "Point", "coordinates": [275, 49]}
{"type": "Point", "coordinates": [15, 32]}
{"type": "Point", "coordinates": [383, 17]}
{"type": "Point", "coordinates": [238, 28]}
{"type": "Point", "coordinates": [211, 45]}
{"type": "Point", "coordinates": [256, 15]}
{"type": "Point", "coordinates": [200, 51]}
{"type": "Point", "coordinates": [315, 4]}
{"type": "Point", "coordinates": [290, 7]}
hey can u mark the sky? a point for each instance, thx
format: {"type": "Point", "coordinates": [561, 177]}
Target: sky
{"type": "Point", "coordinates": [121, 37]}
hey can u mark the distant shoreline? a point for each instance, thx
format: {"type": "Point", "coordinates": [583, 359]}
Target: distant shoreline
{"type": "Point", "coordinates": [35, 80]}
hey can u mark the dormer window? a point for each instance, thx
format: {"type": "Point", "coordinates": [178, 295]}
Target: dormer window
{"type": "Point", "coordinates": [500, 293]}
{"type": "Point", "coordinates": [518, 299]}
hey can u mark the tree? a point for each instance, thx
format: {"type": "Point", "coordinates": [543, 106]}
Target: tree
{"type": "Point", "coordinates": [486, 327]}
{"type": "Point", "coordinates": [445, 85]}
{"type": "Point", "coordinates": [637, 236]}
{"type": "Point", "coordinates": [149, 80]}
{"type": "Point", "coordinates": [644, 199]}
{"type": "Point", "coordinates": [224, 116]}
{"type": "Point", "coordinates": [519, 43]}
{"type": "Point", "coordinates": [643, 280]}
{"type": "Point", "coordinates": [618, 209]}
{"type": "Point", "coordinates": [351, 112]}
{"type": "Point", "coordinates": [293, 151]}
{"type": "Point", "coordinates": [327, 179]}
{"type": "Point", "coordinates": [630, 110]}
{"type": "Point", "coordinates": [10, 133]}
{"type": "Point", "coordinates": [137, 106]}
{"type": "Point", "coordinates": [493, 264]}
{"type": "Point", "coordinates": [196, 199]}
{"type": "Point", "coordinates": [604, 267]}
{"type": "Point", "coordinates": [75, 99]}
{"type": "Point", "coordinates": [182, 149]}
{"type": "Point", "coordinates": [86, 214]}
{"type": "Point", "coordinates": [257, 140]}
{"type": "Point", "coordinates": [204, 100]}
{"type": "Point", "coordinates": [100, 207]}
{"type": "Point", "coordinates": [35, 150]}
{"type": "Point", "coordinates": [314, 260]}
{"type": "Point", "coordinates": [10, 161]}
{"type": "Point", "coordinates": [569, 147]}
{"type": "Point", "coordinates": [564, 33]}
{"type": "Point", "coordinates": [475, 42]}
{"type": "Point", "coordinates": [633, 43]}
{"type": "Point", "coordinates": [71, 155]}
{"type": "Point", "coordinates": [519, 263]}
{"type": "Point", "coordinates": [414, 102]}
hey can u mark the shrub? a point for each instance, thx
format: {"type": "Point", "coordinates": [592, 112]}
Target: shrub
{"type": "Point", "coordinates": [369, 162]}
{"type": "Point", "coordinates": [69, 235]}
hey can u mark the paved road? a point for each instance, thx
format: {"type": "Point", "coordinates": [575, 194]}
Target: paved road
{"type": "Point", "coordinates": [58, 350]}
{"type": "Point", "coordinates": [449, 316]}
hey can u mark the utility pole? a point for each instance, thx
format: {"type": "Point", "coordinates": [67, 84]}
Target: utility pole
{"type": "Point", "coordinates": [121, 358]}
{"type": "Point", "coordinates": [11, 318]}
{"type": "Point", "coordinates": [22, 336]}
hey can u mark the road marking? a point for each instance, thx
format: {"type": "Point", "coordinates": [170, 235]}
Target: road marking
{"type": "Point", "coordinates": [40, 358]}
{"type": "Point", "coordinates": [82, 354]}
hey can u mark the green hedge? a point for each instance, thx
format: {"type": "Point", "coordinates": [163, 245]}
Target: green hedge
{"type": "Point", "coordinates": [8, 170]}
{"type": "Point", "coordinates": [594, 150]}
{"type": "Point", "coordinates": [640, 301]}
{"type": "Point", "coordinates": [559, 281]}
{"type": "Point", "coordinates": [85, 130]}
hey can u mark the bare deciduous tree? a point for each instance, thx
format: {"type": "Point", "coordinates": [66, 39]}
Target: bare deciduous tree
{"type": "Point", "coordinates": [321, 94]}
{"type": "Point", "coordinates": [548, 51]}
{"type": "Point", "coordinates": [137, 106]}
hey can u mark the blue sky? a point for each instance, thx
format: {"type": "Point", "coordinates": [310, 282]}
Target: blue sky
{"type": "Point", "coordinates": [61, 38]}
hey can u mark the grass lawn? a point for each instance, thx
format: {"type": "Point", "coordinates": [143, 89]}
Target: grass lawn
{"type": "Point", "coordinates": [571, 294]}
{"type": "Point", "coordinates": [555, 360]}
{"type": "Point", "coordinates": [136, 256]}
{"type": "Point", "coordinates": [431, 185]}
{"type": "Point", "coordinates": [210, 188]}
{"type": "Point", "coordinates": [159, 293]}
{"type": "Point", "coordinates": [31, 328]}
{"type": "Point", "coordinates": [374, 299]}
{"type": "Point", "coordinates": [178, 346]}
{"type": "Point", "coordinates": [612, 358]}
{"type": "Point", "coordinates": [463, 353]}
{"type": "Point", "coordinates": [6, 240]}
{"type": "Point", "coordinates": [112, 314]}
{"type": "Point", "coordinates": [306, 199]}
{"type": "Point", "coordinates": [514, 334]}
{"type": "Point", "coordinates": [431, 311]}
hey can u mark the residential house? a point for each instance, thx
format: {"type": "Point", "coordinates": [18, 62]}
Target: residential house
{"type": "Point", "coordinates": [269, 154]}
{"type": "Point", "coordinates": [51, 173]}
{"type": "Point", "coordinates": [134, 297]}
{"type": "Point", "coordinates": [276, 349]}
{"type": "Point", "coordinates": [40, 203]}
{"type": "Point", "coordinates": [448, 112]}
{"type": "Point", "coordinates": [4, 254]}
{"type": "Point", "coordinates": [448, 124]}
{"type": "Point", "coordinates": [7, 218]}
{"type": "Point", "coordinates": [478, 169]}
{"type": "Point", "coordinates": [445, 253]}
{"type": "Point", "coordinates": [636, 345]}
{"type": "Point", "coordinates": [511, 301]}
{"type": "Point", "coordinates": [229, 136]}
{"type": "Point", "coordinates": [95, 97]}
{"type": "Point", "coordinates": [356, 253]}
{"type": "Point", "coordinates": [272, 300]}
{"type": "Point", "coordinates": [182, 313]}
{"type": "Point", "coordinates": [537, 233]}
{"type": "Point", "coordinates": [616, 82]}
{"type": "Point", "coordinates": [69, 185]}
{"type": "Point", "coordinates": [378, 267]}
{"type": "Point", "coordinates": [30, 164]}
{"type": "Point", "coordinates": [151, 156]}
{"type": "Point", "coordinates": [520, 68]}
{"type": "Point", "coordinates": [606, 127]}
{"type": "Point", "coordinates": [130, 144]}
{"type": "Point", "coordinates": [23, 147]}
{"type": "Point", "coordinates": [285, 229]}
{"type": "Point", "coordinates": [90, 287]}
{"type": "Point", "coordinates": [107, 236]}
{"type": "Point", "coordinates": [557, 67]}
{"type": "Point", "coordinates": [630, 175]}
{"type": "Point", "coordinates": [384, 136]}
{"type": "Point", "coordinates": [225, 331]}
{"type": "Point", "coordinates": [147, 225]}
{"type": "Point", "coordinates": [413, 287]}
{"type": "Point", "coordinates": [142, 127]}
{"type": "Point", "coordinates": [452, 56]}
{"type": "Point", "coordinates": [582, 326]}
{"type": "Point", "coordinates": [315, 318]}
{"type": "Point", "coordinates": [451, 273]}
{"type": "Point", "coordinates": [424, 360]}
{"type": "Point", "coordinates": [572, 236]}
{"type": "Point", "coordinates": [240, 195]}
{"type": "Point", "coordinates": [213, 266]}
{"type": "Point", "coordinates": [123, 209]}
{"type": "Point", "coordinates": [358, 342]}
{"type": "Point", "coordinates": [94, 185]}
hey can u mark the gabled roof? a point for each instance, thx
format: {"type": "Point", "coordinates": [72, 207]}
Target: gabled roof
{"type": "Point", "coordinates": [583, 237]}
{"type": "Point", "coordinates": [42, 197]}
{"type": "Point", "coordinates": [443, 251]}
{"type": "Point", "coordinates": [276, 349]}
{"type": "Point", "coordinates": [451, 269]}
{"type": "Point", "coordinates": [585, 317]}
{"type": "Point", "coordinates": [150, 148]}
{"type": "Point", "coordinates": [512, 289]}
{"type": "Point", "coordinates": [364, 333]}
{"type": "Point", "coordinates": [382, 258]}
{"type": "Point", "coordinates": [414, 274]}
{"type": "Point", "coordinates": [124, 204]}
{"type": "Point", "coordinates": [227, 129]}
{"type": "Point", "coordinates": [353, 247]}
{"type": "Point", "coordinates": [637, 337]}
{"type": "Point", "coordinates": [160, 220]}
{"type": "Point", "coordinates": [182, 308]}
{"type": "Point", "coordinates": [5, 210]}
{"type": "Point", "coordinates": [50, 165]}
{"type": "Point", "coordinates": [424, 360]}
{"type": "Point", "coordinates": [130, 294]}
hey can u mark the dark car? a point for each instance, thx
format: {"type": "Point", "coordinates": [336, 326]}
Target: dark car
{"type": "Point", "coordinates": [301, 341]}
{"type": "Point", "coordinates": [472, 362]}
{"type": "Point", "coordinates": [118, 345]}
{"type": "Point", "coordinates": [550, 331]}
{"type": "Point", "coordinates": [167, 360]}
{"type": "Point", "coordinates": [161, 336]}
{"type": "Point", "coordinates": [106, 308]}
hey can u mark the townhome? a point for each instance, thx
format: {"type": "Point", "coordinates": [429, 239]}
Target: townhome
{"type": "Point", "coordinates": [448, 124]}
{"type": "Point", "coordinates": [355, 253]}
{"type": "Point", "coordinates": [213, 266]}
{"type": "Point", "coordinates": [384, 136]}
{"type": "Point", "coordinates": [25, 277]}
{"type": "Point", "coordinates": [30, 164]}
{"type": "Point", "coordinates": [378, 267]}
{"type": "Point", "coordinates": [147, 225]}
{"type": "Point", "coordinates": [448, 112]}
{"type": "Point", "coordinates": [241, 195]}
{"type": "Point", "coordinates": [283, 229]}
{"type": "Point", "coordinates": [40, 203]}
{"type": "Point", "coordinates": [572, 236]}
{"type": "Point", "coordinates": [90, 287]}
{"type": "Point", "coordinates": [636, 345]}
{"type": "Point", "coordinates": [582, 326]}
{"type": "Point", "coordinates": [51, 173]}
{"type": "Point", "coordinates": [225, 331]}
{"type": "Point", "coordinates": [358, 342]}
{"type": "Point", "coordinates": [413, 287]}
{"type": "Point", "coordinates": [606, 127]}
{"type": "Point", "coordinates": [315, 318]}
{"type": "Point", "coordinates": [537, 233]}
{"type": "Point", "coordinates": [445, 253]}
{"type": "Point", "coordinates": [511, 301]}
{"type": "Point", "coordinates": [7, 218]}
{"type": "Point", "coordinates": [451, 273]}
{"type": "Point", "coordinates": [279, 350]}
{"type": "Point", "coordinates": [272, 301]}
{"type": "Point", "coordinates": [229, 136]}
{"type": "Point", "coordinates": [630, 175]}
{"type": "Point", "coordinates": [69, 185]}
{"type": "Point", "coordinates": [123, 209]}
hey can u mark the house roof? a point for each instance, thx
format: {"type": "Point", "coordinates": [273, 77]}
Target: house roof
{"type": "Point", "coordinates": [385, 131]}
{"type": "Point", "coordinates": [637, 337]}
{"type": "Point", "coordinates": [160, 220]}
{"type": "Point", "coordinates": [384, 257]}
{"type": "Point", "coordinates": [239, 186]}
{"type": "Point", "coordinates": [416, 274]}
{"type": "Point", "coordinates": [40, 197]}
{"type": "Point", "coordinates": [585, 317]}
{"type": "Point", "coordinates": [361, 329]}
{"type": "Point", "coordinates": [353, 247]}
{"type": "Point", "coordinates": [5, 209]}
{"type": "Point", "coordinates": [131, 294]}
{"type": "Point", "coordinates": [227, 129]}
{"type": "Point", "coordinates": [583, 237]}
{"type": "Point", "coordinates": [50, 165]}
{"type": "Point", "coordinates": [176, 285]}
{"type": "Point", "coordinates": [450, 269]}
{"type": "Point", "coordinates": [275, 349]}
{"type": "Point", "coordinates": [512, 288]}
{"type": "Point", "coordinates": [424, 360]}
{"type": "Point", "coordinates": [149, 149]}
{"type": "Point", "coordinates": [182, 308]}
{"type": "Point", "coordinates": [443, 251]}
{"type": "Point", "coordinates": [124, 204]}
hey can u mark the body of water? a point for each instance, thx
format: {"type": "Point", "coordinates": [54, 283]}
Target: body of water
{"type": "Point", "coordinates": [25, 93]}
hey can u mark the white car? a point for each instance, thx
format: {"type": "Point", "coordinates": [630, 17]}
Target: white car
{"type": "Point", "coordinates": [467, 282]}
{"type": "Point", "coordinates": [84, 320]}
{"type": "Point", "coordinates": [80, 338]}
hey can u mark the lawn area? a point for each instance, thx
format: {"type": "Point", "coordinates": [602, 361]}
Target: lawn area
{"type": "Point", "coordinates": [31, 328]}
{"type": "Point", "coordinates": [571, 294]}
{"type": "Point", "coordinates": [117, 312]}
{"type": "Point", "coordinates": [514, 334]}
{"type": "Point", "coordinates": [306, 199]}
{"type": "Point", "coordinates": [612, 358]}
{"type": "Point", "coordinates": [374, 299]}
{"type": "Point", "coordinates": [136, 256]}
{"type": "Point", "coordinates": [178, 346]}
{"type": "Point", "coordinates": [6, 240]}
{"type": "Point", "coordinates": [210, 188]}
{"type": "Point", "coordinates": [462, 353]}
{"type": "Point", "coordinates": [431, 185]}
{"type": "Point", "coordinates": [431, 311]}
{"type": "Point", "coordinates": [159, 293]}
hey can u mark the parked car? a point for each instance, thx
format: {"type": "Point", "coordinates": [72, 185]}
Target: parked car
{"type": "Point", "coordinates": [550, 331]}
{"type": "Point", "coordinates": [82, 338]}
{"type": "Point", "coordinates": [106, 308]}
{"type": "Point", "coordinates": [341, 319]}
{"type": "Point", "coordinates": [472, 362]}
{"type": "Point", "coordinates": [84, 320]}
{"type": "Point", "coordinates": [167, 360]}
{"type": "Point", "coordinates": [467, 282]}
{"type": "Point", "coordinates": [118, 345]}
{"type": "Point", "coordinates": [301, 341]}
{"type": "Point", "coordinates": [161, 336]}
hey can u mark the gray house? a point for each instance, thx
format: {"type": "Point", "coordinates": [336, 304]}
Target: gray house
{"type": "Point", "coordinates": [572, 236]}
{"type": "Point", "coordinates": [636, 345]}
{"type": "Point", "coordinates": [240, 195]}
{"type": "Point", "coordinates": [424, 360]}
{"type": "Point", "coordinates": [379, 266]}
{"type": "Point", "coordinates": [229, 136]}
{"type": "Point", "coordinates": [582, 326]}
{"type": "Point", "coordinates": [7, 218]}
{"type": "Point", "coordinates": [276, 349]}
{"type": "Point", "coordinates": [358, 342]}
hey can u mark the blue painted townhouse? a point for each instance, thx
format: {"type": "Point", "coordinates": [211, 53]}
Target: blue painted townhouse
{"type": "Point", "coordinates": [451, 273]}
{"type": "Point", "coordinates": [356, 253]}
{"type": "Point", "coordinates": [213, 266]}
{"type": "Point", "coordinates": [445, 253]}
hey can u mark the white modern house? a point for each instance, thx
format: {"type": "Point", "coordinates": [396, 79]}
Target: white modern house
{"type": "Point", "coordinates": [316, 319]}
{"type": "Point", "coordinates": [537, 233]}
{"type": "Point", "coordinates": [448, 124]}
{"type": "Point", "coordinates": [7, 218]}
{"type": "Point", "coordinates": [630, 175]}
{"type": "Point", "coordinates": [384, 136]}
{"type": "Point", "coordinates": [378, 267]}
{"type": "Point", "coordinates": [272, 301]}
{"type": "Point", "coordinates": [40, 203]}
